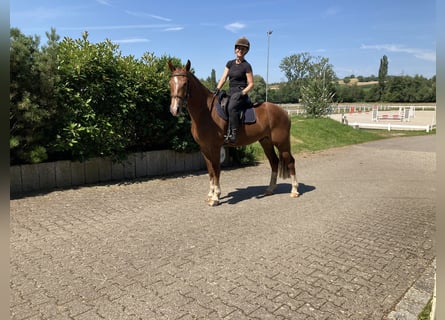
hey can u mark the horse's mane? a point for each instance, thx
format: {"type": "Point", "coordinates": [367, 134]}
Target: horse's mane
{"type": "Point", "coordinates": [199, 82]}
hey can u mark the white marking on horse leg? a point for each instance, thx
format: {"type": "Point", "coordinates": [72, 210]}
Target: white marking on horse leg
{"type": "Point", "coordinates": [272, 183]}
{"type": "Point", "coordinates": [210, 194]}
{"type": "Point", "coordinates": [294, 192]}
{"type": "Point", "coordinates": [214, 199]}
{"type": "Point", "coordinates": [217, 190]}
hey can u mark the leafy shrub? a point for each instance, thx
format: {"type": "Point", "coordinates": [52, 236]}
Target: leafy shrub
{"type": "Point", "coordinates": [75, 100]}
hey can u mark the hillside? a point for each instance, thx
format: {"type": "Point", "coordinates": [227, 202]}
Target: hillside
{"type": "Point", "coordinates": [355, 81]}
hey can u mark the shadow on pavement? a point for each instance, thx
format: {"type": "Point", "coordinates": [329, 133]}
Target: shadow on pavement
{"type": "Point", "coordinates": [241, 194]}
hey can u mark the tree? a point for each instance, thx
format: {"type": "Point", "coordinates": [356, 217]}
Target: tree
{"type": "Point", "coordinates": [410, 89]}
{"type": "Point", "coordinates": [296, 67]}
{"type": "Point", "coordinates": [212, 79]}
{"type": "Point", "coordinates": [312, 79]}
{"type": "Point", "coordinates": [289, 93]}
{"type": "Point", "coordinates": [210, 83]}
{"type": "Point", "coordinates": [317, 93]}
{"type": "Point", "coordinates": [383, 72]}
{"type": "Point", "coordinates": [33, 76]}
{"type": "Point", "coordinates": [258, 93]}
{"type": "Point", "coordinates": [303, 68]}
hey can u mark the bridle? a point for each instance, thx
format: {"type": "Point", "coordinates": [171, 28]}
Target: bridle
{"type": "Point", "coordinates": [187, 92]}
{"type": "Point", "coordinates": [184, 99]}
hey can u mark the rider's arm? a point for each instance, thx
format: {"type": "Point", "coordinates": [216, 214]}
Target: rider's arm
{"type": "Point", "coordinates": [223, 78]}
{"type": "Point", "coordinates": [250, 84]}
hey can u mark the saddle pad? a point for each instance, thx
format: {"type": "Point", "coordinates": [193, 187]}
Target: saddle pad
{"type": "Point", "coordinates": [247, 118]}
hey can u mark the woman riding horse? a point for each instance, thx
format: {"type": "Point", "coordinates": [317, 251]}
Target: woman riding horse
{"type": "Point", "coordinates": [240, 76]}
{"type": "Point", "coordinates": [271, 129]}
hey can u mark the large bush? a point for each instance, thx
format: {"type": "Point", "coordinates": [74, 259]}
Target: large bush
{"type": "Point", "coordinates": [75, 100]}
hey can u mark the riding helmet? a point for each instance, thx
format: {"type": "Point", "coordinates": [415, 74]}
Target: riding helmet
{"type": "Point", "coordinates": [243, 42]}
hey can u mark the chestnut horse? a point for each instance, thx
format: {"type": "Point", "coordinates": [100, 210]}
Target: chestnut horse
{"type": "Point", "coordinates": [271, 129]}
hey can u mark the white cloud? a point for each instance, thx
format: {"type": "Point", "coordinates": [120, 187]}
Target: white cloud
{"type": "Point", "coordinates": [174, 29]}
{"type": "Point", "coordinates": [235, 27]}
{"type": "Point", "coordinates": [104, 2]}
{"type": "Point", "coordinates": [422, 54]}
{"type": "Point", "coordinates": [42, 13]}
{"type": "Point", "coordinates": [160, 18]}
{"type": "Point", "coordinates": [330, 12]}
{"type": "Point", "coordinates": [131, 40]}
{"type": "Point", "coordinates": [117, 27]}
{"type": "Point", "coordinates": [147, 15]}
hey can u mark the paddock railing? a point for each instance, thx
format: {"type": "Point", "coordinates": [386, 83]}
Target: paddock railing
{"type": "Point", "coordinates": [359, 108]}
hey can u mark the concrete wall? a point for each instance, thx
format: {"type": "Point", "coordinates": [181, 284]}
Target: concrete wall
{"type": "Point", "coordinates": [63, 174]}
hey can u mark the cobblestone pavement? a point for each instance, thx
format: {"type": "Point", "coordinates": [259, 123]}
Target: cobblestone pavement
{"type": "Point", "coordinates": [350, 247]}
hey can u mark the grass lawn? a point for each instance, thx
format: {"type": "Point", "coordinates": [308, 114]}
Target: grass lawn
{"type": "Point", "coordinates": [314, 134]}
{"type": "Point", "coordinates": [425, 314]}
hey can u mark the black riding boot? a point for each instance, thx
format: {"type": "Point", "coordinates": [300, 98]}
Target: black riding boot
{"type": "Point", "coordinates": [233, 127]}
{"type": "Point", "coordinates": [232, 137]}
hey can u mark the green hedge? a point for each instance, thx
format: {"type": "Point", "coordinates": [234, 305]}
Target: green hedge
{"type": "Point", "coordinates": [74, 100]}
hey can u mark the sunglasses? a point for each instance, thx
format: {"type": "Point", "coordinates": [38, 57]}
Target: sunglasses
{"type": "Point", "coordinates": [240, 48]}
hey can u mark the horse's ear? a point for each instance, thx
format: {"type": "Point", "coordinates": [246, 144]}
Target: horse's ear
{"type": "Point", "coordinates": [187, 66]}
{"type": "Point", "coordinates": [170, 66]}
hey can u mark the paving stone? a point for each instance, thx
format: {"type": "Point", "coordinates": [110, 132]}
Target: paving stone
{"type": "Point", "coordinates": [358, 244]}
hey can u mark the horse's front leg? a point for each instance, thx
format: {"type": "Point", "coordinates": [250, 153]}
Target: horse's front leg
{"type": "Point", "coordinates": [269, 151]}
{"type": "Point", "coordinates": [272, 183]}
{"type": "Point", "coordinates": [215, 192]}
{"type": "Point", "coordinates": [210, 194]}
{"type": "Point", "coordinates": [215, 189]}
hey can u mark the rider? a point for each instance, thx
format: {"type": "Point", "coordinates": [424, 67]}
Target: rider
{"type": "Point", "coordinates": [240, 76]}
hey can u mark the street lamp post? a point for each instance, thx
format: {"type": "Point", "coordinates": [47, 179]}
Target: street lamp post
{"type": "Point", "coordinates": [267, 69]}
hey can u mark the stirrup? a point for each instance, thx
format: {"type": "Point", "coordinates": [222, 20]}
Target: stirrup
{"type": "Point", "coordinates": [230, 137]}
{"type": "Point", "coordinates": [227, 137]}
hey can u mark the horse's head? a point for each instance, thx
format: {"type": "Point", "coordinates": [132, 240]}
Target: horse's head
{"type": "Point", "coordinates": [179, 88]}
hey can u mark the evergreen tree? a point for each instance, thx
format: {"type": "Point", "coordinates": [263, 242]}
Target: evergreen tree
{"type": "Point", "coordinates": [210, 83]}
{"type": "Point", "coordinates": [31, 97]}
{"type": "Point", "coordinates": [316, 96]}
{"type": "Point", "coordinates": [383, 72]}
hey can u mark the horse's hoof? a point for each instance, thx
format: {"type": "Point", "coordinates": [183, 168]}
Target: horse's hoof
{"type": "Point", "coordinates": [213, 203]}
{"type": "Point", "coordinates": [294, 195]}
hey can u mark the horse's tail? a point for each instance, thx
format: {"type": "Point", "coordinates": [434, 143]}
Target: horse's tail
{"type": "Point", "coordinates": [283, 169]}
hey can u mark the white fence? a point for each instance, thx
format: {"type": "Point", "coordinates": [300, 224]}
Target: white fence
{"type": "Point", "coordinates": [391, 126]}
{"type": "Point", "coordinates": [389, 117]}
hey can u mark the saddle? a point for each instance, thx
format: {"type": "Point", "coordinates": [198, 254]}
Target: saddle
{"type": "Point", "coordinates": [247, 114]}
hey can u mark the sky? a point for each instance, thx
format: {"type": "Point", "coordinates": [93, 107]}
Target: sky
{"type": "Point", "coordinates": [354, 35]}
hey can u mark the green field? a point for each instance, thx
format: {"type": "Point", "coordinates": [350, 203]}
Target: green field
{"type": "Point", "coordinates": [314, 134]}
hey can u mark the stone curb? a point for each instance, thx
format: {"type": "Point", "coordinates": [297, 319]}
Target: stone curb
{"type": "Point", "coordinates": [30, 178]}
{"type": "Point", "coordinates": [416, 297]}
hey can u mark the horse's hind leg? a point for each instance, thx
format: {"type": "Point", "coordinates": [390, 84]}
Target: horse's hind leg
{"type": "Point", "coordinates": [269, 151]}
{"type": "Point", "coordinates": [288, 169]}
{"type": "Point", "coordinates": [287, 166]}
